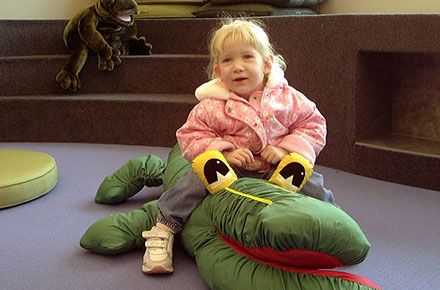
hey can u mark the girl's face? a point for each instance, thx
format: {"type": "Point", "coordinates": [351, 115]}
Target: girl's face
{"type": "Point", "coordinates": [241, 68]}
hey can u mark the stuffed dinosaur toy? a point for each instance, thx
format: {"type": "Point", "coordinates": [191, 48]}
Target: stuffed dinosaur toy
{"type": "Point", "coordinates": [248, 234]}
{"type": "Point", "coordinates": [108, 29]}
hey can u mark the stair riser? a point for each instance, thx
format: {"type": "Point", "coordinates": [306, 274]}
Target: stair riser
{"type": "Point", "coordinates": [168, 36]}
{"type": "Point", "coordinates": [91, 121]}
{"type": "Point", "coordinates": [177, 36]}
{"type": "Point", "coordinates": [146, 74]}
{"type": "Point", "coordinates": [32, 37]}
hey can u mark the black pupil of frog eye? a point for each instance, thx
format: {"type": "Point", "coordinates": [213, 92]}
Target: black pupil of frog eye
{"type": "Point", "coordinates": [295, 169]}
{"type": "Point", "coordinates": [212, 167]}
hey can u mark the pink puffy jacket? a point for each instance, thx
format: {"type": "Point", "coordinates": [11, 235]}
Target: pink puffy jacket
{"type": "Point", "coordinates": [279, 116]}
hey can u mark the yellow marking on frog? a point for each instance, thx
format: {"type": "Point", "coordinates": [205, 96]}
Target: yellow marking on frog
{"type": "Point", "coordinates": [263, 200]}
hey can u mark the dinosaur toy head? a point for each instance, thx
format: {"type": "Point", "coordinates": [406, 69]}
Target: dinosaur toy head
{"type": "Point", "coordinates": [119, 12]}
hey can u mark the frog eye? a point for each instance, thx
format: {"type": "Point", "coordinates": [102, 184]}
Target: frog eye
{"type": "Point", "coordinates": [292, 175]}
{"type": "Point", "coordinates": [214, 171]}
{"type": "Point", "coordinates": [292, 172]}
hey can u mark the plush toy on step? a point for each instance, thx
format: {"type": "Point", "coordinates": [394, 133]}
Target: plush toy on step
{"type": "Point", "coordinates": [107, 28]}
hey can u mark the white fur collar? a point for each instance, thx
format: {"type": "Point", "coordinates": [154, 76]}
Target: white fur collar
{"type": "Point", "coordinates": [217, 90]}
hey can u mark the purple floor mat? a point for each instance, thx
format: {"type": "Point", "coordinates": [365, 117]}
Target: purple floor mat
{"type": "Point", "coordinates": [40, 239]}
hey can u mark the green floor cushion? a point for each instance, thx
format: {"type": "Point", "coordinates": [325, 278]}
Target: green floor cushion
{"type": "Point", "coordinates": [25, 175]}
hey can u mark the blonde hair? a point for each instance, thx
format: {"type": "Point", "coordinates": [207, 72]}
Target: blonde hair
{"type": "Point", "coordinates": [250, 32]}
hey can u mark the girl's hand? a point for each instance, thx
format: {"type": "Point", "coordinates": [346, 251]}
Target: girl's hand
{"type": "Point", "coordinates": [239, 157]}
{"type": "Point", "coordinates": [273, 154]}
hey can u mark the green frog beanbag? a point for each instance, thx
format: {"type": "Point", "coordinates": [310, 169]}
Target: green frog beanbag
{"type": "Point", "coordinates": [250, 234]}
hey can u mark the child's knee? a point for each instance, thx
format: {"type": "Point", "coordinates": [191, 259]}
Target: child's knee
{"type": "Point", "coordinates": [314, 187]}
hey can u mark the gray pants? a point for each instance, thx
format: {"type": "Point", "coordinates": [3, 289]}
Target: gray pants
{"type": "Point", "coordinates": [177, 203]}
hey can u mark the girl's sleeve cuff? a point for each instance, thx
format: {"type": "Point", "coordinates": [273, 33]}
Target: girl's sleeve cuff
{"type": "Point", "coordinates": [220, 146]}
{"type": "Point", "coordinates": [298, 145]}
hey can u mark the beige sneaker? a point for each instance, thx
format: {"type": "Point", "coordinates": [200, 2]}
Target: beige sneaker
{"type": "Point", "coordinates": [158, 258]}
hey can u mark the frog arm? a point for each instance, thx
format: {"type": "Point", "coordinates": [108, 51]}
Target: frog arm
{"type": "Point", "coordinates": [89, 34]}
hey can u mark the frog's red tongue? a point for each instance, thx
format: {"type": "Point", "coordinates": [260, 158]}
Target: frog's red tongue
{"type": "Point", "coordinates": [124, 17]}
{"type": "Point", "coordinates": [295, 260]}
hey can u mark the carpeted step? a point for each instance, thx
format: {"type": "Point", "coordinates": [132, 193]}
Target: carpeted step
{"type": "Point", "coordinates": [95, 118]}
{"type": "Point", "coordinates": [32, 37]}
{"type": "Point", "coordinates": [44, 37]}
{"type": "Point", "coordinates": [156, 74]}
{"type": "Point", "coordinates": [356, 68]}
{"type": "Point", "coordinates": [177, 36]}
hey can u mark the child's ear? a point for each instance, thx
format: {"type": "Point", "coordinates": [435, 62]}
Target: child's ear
{"type": "Point", "coordinates": [268, 65]}
{"type": "Point", "coordinates": [217, 71]}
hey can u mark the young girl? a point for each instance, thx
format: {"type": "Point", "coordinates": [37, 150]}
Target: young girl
{"type": "Point", "coordinates": [250, 114]}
